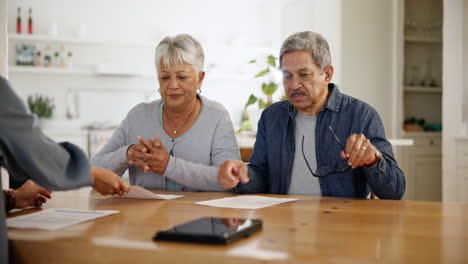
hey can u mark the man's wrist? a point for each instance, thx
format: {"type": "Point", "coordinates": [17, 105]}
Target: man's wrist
{"type": "Point", "coordinates": [377, 158]}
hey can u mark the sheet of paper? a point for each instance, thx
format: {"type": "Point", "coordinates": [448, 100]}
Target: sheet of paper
{"type": "Point", "coordinates": [53, 219]}
{"type": "Point", "coordinates": [141, 193]}
{"type": "Point", "coordinates": [246, 202]}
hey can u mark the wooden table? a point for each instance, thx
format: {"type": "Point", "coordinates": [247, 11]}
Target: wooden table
{"type": "Point", "coordinates": [311, 230]}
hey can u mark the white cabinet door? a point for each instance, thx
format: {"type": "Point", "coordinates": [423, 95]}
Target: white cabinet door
{"type": "Point", "coordinates": [462, 171]}
{"type": "Point", "coordinates": [422, 165]}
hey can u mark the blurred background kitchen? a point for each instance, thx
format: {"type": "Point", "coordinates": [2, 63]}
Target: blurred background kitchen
{"type": "Point", "coordinates": [84, 64]}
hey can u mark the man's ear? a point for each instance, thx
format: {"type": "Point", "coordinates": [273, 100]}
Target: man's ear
{"type": "Point", "coordinates": [328, 73]}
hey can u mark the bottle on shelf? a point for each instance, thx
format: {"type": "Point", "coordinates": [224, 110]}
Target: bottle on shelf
{"type": "Point", "coordinates": [69, 60]}
{"type": "Point", "coordinates": [30, 23]}
{"type": "Point", "coordinates": [62, 57]}
{"type": "Point", "coordinates": [18, 21]}
{"type": "Point", "coordinates": [48, 56]}
{"type": "Point", "coordinates": [38, 59]}
{"type": "Point", "coordinates": [56, 59]}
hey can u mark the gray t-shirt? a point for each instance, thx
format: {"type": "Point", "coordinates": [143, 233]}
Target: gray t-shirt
{"type": "Point", "coordinates": [196, 154]}
{"type": "Point", "coordinates": [302, 181]}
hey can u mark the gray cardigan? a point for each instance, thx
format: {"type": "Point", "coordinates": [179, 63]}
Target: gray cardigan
{"type": "Point", "coordinates": [196, 154]}
{"type": "Point", "coordinates": [27, 154]}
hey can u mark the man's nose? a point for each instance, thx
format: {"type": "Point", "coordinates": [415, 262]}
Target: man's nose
{"type": "Point", "coordinates": [295, 84]}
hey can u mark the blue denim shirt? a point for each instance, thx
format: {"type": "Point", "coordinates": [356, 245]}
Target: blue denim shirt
{"type": "Point", "coordinates": [271, 163]}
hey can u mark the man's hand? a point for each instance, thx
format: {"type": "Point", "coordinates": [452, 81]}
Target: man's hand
{"type": "Point", "coordinates": [30, 194]}
{"type": "Point", "coordinates": [231, 172]}
{"type": "Point", "coordinates": [360, 151]}
{"type": "Point", "coordinates": [107, 182]}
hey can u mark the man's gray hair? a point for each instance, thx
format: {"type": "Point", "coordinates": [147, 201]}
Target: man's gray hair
{"type": "Point", "coordinates": [181, 48]}
{"type": "Point", "coordinates": [308, 41]}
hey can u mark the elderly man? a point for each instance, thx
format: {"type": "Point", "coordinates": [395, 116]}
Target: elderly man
{"type": "Point", "coordinates": [320, 141]}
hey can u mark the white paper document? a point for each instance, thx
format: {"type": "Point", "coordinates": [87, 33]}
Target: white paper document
{"type": "Point", "coordinates": [53, 219]}
{"type": "Point", "coordinates": [246, 202]}
{"type": "Point", "coordinates": [141, 193]}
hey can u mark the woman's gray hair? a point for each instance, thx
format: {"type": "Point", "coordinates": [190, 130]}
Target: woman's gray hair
{"type": "Point", "coordinates": [308, 41]}
{"type": "Point", "coordinates": [181, 48]}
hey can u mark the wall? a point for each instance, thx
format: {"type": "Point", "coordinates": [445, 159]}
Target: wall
{"type": "Point", "coordinates": [453, 83]}
{"type": "Point", "coordinates": [465, 65]}
{"type": "Point", "coordinates": [3, 39]}
{"type": "Point", "coordinates": [367, 55]}
{"type": "Point", "coordinates": [323, 17]}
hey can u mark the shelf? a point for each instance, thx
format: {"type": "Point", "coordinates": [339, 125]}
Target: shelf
{"type": "Point", "coordinates": [46, 38]}
{"type": "Point", "coordinates": [96, 70]}
{"type": "Point", "coordinates": [422, 133]}
{"type": "Point", "coordinates": [423, 89]}
{"type": "Point", "coordinates": [33, 69]}
{"type": "Point", "coordinates": [418, 39]}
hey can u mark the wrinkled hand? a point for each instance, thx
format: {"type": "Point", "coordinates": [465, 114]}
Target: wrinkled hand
{"type": "Point", "coordinates": [360, 151]}
{"type": "Point", "coordinates": [107, 182]}
{"type": "Point", "coordinates": [31, 194]}
{"type": "Point", "coordinates": [232, 222]}
{"type": "Point", "coordinates": [231, 172]}
{"type": "Point", "coordinates": [149, 155]}
{"type": "Point", "coordinates": [137, 156]}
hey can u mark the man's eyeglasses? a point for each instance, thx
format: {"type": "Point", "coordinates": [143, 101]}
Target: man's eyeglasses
{"type": "Point", "coordinates": [339, 167]}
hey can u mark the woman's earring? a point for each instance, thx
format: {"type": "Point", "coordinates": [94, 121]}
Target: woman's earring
{"type": "Point", "coordinates": [159, 90]}
{"type": "Point", "coordinates": [199, 91]}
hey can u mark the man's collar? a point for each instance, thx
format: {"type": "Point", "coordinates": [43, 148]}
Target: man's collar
{"type": "Point", "coordinates": [334, 100]}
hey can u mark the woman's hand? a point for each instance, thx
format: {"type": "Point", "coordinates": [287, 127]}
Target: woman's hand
{"type": "Point", "coordinates": [136, 156]}
{"type": "Point", "coordinates": [157, 157]}
{"type": "Point", "coordinates": [30, 194]}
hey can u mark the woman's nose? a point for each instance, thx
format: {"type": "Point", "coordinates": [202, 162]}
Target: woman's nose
{"type": "Point", "coordinates": [173, 84]}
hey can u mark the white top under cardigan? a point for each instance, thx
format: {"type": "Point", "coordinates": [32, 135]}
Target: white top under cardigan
{"type": "Point", "coordinates": [196, 154]}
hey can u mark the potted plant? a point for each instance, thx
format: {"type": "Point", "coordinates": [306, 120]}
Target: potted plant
{"type": "Point", "coordinates": [42, 106]}
{"type": "Point", "coordinates": [269, 86]}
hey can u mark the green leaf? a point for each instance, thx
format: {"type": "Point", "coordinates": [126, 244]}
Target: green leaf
{"type": "Point", "coordinates": [271, 60]}
{"type": "Point", "coordinates": [261, 104]}
{"type": "Point", "coordinates": [246, 125]}
{"type": "Point", "coordinates": [270, 88]}
{"type": "Point", "coordinates": [262, 73]}
{"type": "Point", "coordinates": [252, 61]}
{"type": "Point", "coordinates": [245, 115]}
{"type": "Point", "coordinates": [252, 100]}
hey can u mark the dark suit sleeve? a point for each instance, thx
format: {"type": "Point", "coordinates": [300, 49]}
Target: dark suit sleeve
{"type": "Point", "coordinates": [28, 154]}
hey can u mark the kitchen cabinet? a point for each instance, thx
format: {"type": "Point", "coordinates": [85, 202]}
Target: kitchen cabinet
{"type": "Point", "coordinates": [462, 169]}
{"type": "Point", "coordinates": [77, 137]}
{"type": "Point", "coordinates": [422, 63]}
{"type": "Point", "coordinates": [422, 165]}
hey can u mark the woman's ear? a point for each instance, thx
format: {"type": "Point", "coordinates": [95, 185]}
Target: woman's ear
{"type": "Point", "coordinates": [201, 76]}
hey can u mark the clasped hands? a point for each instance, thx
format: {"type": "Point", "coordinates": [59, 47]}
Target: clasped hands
{"type": "Point", "coordinates": [148, 155]}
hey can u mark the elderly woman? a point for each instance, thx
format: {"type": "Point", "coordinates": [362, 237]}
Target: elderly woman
{"type": "Point", "coordinates": [177, 142]}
